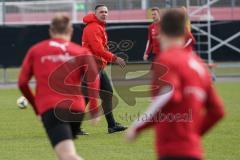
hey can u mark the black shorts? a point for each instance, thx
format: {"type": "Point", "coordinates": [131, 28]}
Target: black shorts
{"type": "Point", "coordinates": [63, 126]}
{"type": "Point", "coordinates": [178, 158]}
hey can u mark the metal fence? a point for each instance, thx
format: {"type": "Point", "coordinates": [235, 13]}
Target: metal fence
{"type": "Point", "coordinates": [203, 12]}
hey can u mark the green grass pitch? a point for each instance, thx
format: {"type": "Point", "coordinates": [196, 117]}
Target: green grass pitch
{"type": "Point", "coordinates": [22, 136]}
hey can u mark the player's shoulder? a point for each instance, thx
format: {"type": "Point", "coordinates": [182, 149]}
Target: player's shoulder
{"type": "Point", "coordinates": [92, 27]}
{"type": "Point", "coordinates": [75, 46]}
{"type": "Point", "coordinates": [39, 46]}
{"type": "Point", "coordinates": [150, 26]}
{"type": "Point", "coordinates": [173, 57]}
{"type": "Point", "coordinates": [78, 50]}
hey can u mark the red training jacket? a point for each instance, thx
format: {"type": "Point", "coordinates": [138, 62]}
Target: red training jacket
{"type": "Point", "coordinates": [95, 39]}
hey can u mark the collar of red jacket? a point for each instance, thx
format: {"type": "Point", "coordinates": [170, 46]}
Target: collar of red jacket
{"type": "Point", "coordinates": [90, 18]}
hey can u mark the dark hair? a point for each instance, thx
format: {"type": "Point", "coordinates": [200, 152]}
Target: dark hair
{"type": "Point", "coordinates": [60, 23]}
{"type": "Point", "coordinates": [173, 23]}
{"type": "Point", "coordinates": [100, 5]}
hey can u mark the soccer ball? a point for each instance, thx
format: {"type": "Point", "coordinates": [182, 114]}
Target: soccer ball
{"type": "Point", "coordinates": [22, 102]}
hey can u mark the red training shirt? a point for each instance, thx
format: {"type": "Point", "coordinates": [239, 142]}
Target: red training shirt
{"type": "Point", "coordinates": [153, 44]}
{"type": "Point", "coordinates": [55, 66]}
{"type": "Point", "coordinates": [187, 111]}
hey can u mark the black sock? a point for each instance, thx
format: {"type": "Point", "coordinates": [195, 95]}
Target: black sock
{"type": "Point", "coordinates": [110, 119]}
{"type": "Point", "coordinates": [107, 108]}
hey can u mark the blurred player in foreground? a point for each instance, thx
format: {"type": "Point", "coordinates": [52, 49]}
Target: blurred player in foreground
{"type": "Point", "coordinates": [58, 99]}
{"type": "Point", "coordinates": [153, 45]}
{"type": "Point", "coordinates": [186, 105]}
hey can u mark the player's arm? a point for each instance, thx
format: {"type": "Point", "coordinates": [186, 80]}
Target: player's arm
{"type": "Point", "coordinates": [24, 78]}
{"type": "Point", "coordinates": [148, 45]}
{"type": "Point", "coordinates": [163, 89]}
{"type": "Point", "coordinates": [167, 86]}
{"type": "Point", "coordinates": [92, 80]}
{"type": "Point", "coordinates": [95, 43]}
{"type": "Point", "coordinates": [189, 40]}
{"type": "Point", "coordinates": [214, 111]}
{"type": "Point", "coordinates": [150, 116]}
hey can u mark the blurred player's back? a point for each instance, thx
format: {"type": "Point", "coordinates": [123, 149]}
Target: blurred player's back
{"type": "Point", "coordinates": [190, 107]}
{"type": "Point", "coordinates": [45, 58]}
{"type": "Point", "coordinates": [58, 65]}
{"type": "Point", "coordinates": [178, 133]}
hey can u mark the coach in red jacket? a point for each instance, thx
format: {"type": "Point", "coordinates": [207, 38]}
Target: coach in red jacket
{"type": "Point", "coordinates": [95, 39]}
{"type": "Point", "coordinates": [185, 105]}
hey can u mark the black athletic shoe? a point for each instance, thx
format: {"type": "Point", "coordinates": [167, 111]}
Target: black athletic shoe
{"type": "Point", "coordinates": [82, 133]}
{"type": "Point", "coordinates": [117, 128]}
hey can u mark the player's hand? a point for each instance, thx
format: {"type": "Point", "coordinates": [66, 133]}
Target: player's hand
{"type": "Point", "coordinates": [120, 62]}
{"type": "Point", "coordinates": [130, 134]}
{"type": "Point", "coordinates": [145, 57]}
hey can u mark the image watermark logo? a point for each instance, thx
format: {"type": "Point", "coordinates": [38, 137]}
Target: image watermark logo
{"type": "Point", "coordinates": [158, 117]}
{"type": "Point", "coordinates": [64, 81]}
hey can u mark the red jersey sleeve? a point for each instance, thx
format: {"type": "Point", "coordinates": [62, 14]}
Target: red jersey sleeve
{"type": "Point", "coordinates": [24, 78]}
{"type": "Point", "coordinates": [214, 111]}
{"type": "Point", "coordinates": [96, 45]}
{"type": "Point", "coordinates": [189, 40]}
{"type": "Point", "coordinates": [167, 85]}
{"type": "Point", "coordinates": [149, 42]}
{"type": "Point", "coordinates": [164, 74]}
